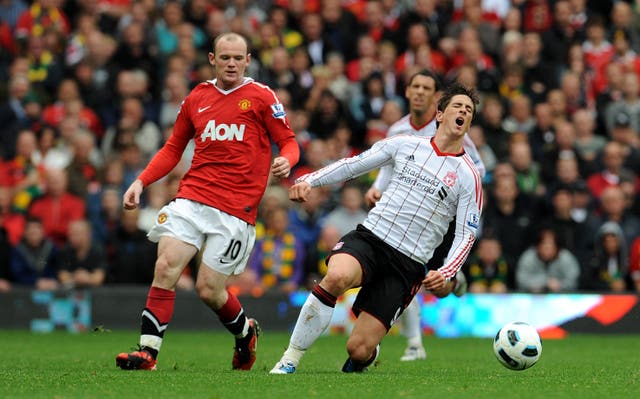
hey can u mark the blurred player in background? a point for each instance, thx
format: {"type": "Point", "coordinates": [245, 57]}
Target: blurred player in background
{"type": "Point", "coordinates": [231, 120]}
{"type": "Point", "coordinates": [421, 93]}
{"type": "Point", "coordinates": [433, 181]}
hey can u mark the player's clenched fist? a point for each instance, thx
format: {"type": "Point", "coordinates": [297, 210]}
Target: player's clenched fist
{"type": "Point", "coordinates": [299, 191]}
{"type": "Point", "coordinates": [131, 198]}
{"type": "Point", "coordinates": [280, 167]}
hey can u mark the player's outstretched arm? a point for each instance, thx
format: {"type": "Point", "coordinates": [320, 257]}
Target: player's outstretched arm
{"type": "Point", "coordinates": [299, 191]}
{"type": "Point", "coordinates": [131, 198]}
{"type": "Point", "coordinates": [280, 167]}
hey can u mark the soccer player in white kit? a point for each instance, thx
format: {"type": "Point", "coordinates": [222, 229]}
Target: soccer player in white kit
{"type": "Point", "coordinates": [232, 121]}
{"type": "Point", "coordinates": [433, 181]}
{"type": "Point", "coordinates": [421, 93]}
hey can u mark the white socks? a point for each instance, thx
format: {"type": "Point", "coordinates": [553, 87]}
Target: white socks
{"type": "Point", "coordinates": [411, 323]}
{"type": "Point", "coordinates": [313, 320]}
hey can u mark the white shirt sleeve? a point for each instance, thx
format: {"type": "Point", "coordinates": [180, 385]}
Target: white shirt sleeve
{"type": "Point", "coordinates": [380, 154]}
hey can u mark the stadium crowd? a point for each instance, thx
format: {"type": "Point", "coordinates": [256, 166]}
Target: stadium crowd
{"type": "Point", "coordinates": [89, 91]}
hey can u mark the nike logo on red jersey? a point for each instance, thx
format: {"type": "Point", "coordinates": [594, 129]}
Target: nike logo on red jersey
{"type": "Point", "coordinates": [203, 108]}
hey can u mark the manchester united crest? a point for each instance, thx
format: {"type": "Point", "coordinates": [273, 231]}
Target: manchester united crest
{"type": "Point", "coordinates": [244, 104]}
{"type": "Point", "coordinates": [162, 218]}
{"type": "Point", "coordinates": [450, 179]}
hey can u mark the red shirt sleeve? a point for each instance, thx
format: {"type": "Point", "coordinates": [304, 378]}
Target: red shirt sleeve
{"type": "Point", "coordinates": [275, 119]}
{"type": "Point", "coordinates": [170, 154]}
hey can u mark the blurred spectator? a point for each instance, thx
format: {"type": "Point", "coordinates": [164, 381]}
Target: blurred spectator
{"type": "Point", "coordinates": [543, 135]}
{"type": "Point", "coordinates": [85, 167]}
{"type": "Point", "coordinates": [419, 54]}
{"type": "Point", "coordinates": [607, 268]}
{"type": "Point", "coordinates": [547, 267]}
{"type": "Point", "coordinates": [488, 157]}
{"type": "Point", "coordinates": [42, 15]}
{"type": "Point", "coordinates": [558, 102]}
{"type": "Point", "coordinates": [10, 11]}
{"type": "Point", "coordinates": [215, 24]}
{"type": "Point", "coordinates": [598, 51]}
{"type": "Point", "coordinates": [373, 23]}
{"type": "Point", "coordinates": [629, 103]}
{"type": "Point", "coordinates": [252, 14]}
{"type": "Point", "coordinates": [612, 92]}
{"type": "Point", "coordinates": [423, 12]}
{"type": "Point", "coordinates": [176, 88]}
{"type": "Point", "coordinates": [105, 217]}
{"type": "Point", "coordinates": [13, 115]}
{"type": "Point", "coordinates": [45, 67]}
{"type": "Point", "coordinates": [23, 173]}
{"type": "Point", "coordinates": [278, 73]}
{"type": "Point", "coordinates": [82, 261]}
{"type": "Point", "coordinates": [562, 148]}
{"type": "Point", "coordinates": [315, 156]}
{"type": "Point", "coordinates": [134, 52]}
{"type": "Point", "coordinates": [5, 255]}
{"type": "Point", "coordinates": [519, 118]}
{"type": "Point", "coordinates": [278, 257]}
{"type": "Point", "coordinates": [614, 208]}
{"type": "Point", "coordinates": [133, 83]}
{"type": "Point", "coordinates": [539, 73]}
{"type": "Point", "coordinates": [342, 144]}
{"type": "Point", "coordinates": [488, 269]}
{"type": "Point", "coordinates": [318, 46]}
{"type": "Point", "coordinates": [327, 114]}
{"type": "Point", "coordinates": [306, 220]}
{"type": "Point", "coordinates": [629, 140]}
{"type": "Point", "coordinates": [612, 172]}
{"type": "Point", "coordinates": [558, 38]}
{"type": "Point", "coordinates": [527, 170]}
{"type": "Point", "coordinates": [349, 212]}
{"type": "Point", "coordinates": [367, 53]}
{"type": "Point", "coordinates": [472, 17]}
{"type": "Point", "coordinates": [587, 144]}
{"type": "Point", "coordinates": [623, 19]}
{"type": "Point", "coordinates": [34, 258]}
{"type": "Point", "coordinates": [575, 93]}
{"type": "Point", "coordinates": [130, 255]}
{"type": "Point", "coordinates": [68, 101]}
{"type": "Point", "coordinates": [490, 118]}
{"type": "Point", "coordinates": [11, 222]}
{"type": "Point", "coordinates": [623, 53]}
{"type": "Point", "coordinates": [575, 234]}
{"type": "Point", "coordinates": [167, 27]}
{"type": "Point", "coordinates": [509, 213]}
{"type": "Point", "coordinates": [339, 23]}
{"type": "Point", "coordinates": [57, 208]}
{"type": "Point", "coordinates": [133, 126]}
{"type": "Point", "coordinates": [369, 104]}
{"type": "Point", "coordinates": [85, 25]}
{"type": "Point", "coordinates": [634, 264]}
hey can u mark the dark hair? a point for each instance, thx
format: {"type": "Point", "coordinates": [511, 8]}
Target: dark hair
{"type": "Point", "coordinates": [457, 89]}
{"type": "Point", "coordinates": [429, 74]}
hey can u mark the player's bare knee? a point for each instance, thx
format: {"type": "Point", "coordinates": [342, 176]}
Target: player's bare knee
{"type": "Point", "coordinates": [210, 296]}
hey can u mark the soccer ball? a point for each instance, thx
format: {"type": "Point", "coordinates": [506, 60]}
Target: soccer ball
{"type": "Point", "coordinates": [517, 346]}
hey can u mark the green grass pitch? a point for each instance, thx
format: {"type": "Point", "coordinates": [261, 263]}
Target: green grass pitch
{"type": "Point", "coordinates": [198, 365]}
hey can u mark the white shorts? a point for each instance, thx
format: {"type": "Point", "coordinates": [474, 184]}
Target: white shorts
{"type": "Point", "coordinates": [227, 240]}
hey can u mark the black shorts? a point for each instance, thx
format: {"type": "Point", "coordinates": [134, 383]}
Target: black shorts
{"type": "Point", "coordinates": [390, 279]}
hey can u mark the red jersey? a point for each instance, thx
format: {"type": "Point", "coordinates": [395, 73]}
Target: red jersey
{"type": "Point", "coordinates": [232, 130]}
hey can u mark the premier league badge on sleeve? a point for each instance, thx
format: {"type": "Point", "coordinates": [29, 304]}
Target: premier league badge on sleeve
{"type": "Point", "coordinates": [278, 111]}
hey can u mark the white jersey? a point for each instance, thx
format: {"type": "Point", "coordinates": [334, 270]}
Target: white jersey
{"type": "Point", "coordinates": [426, 190]}
{"type": "Point", "coordinates": [404, 126]}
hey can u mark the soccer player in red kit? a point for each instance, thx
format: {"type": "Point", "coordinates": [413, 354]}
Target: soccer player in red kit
{"type": "Point", "coordinates": [232, 120]}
